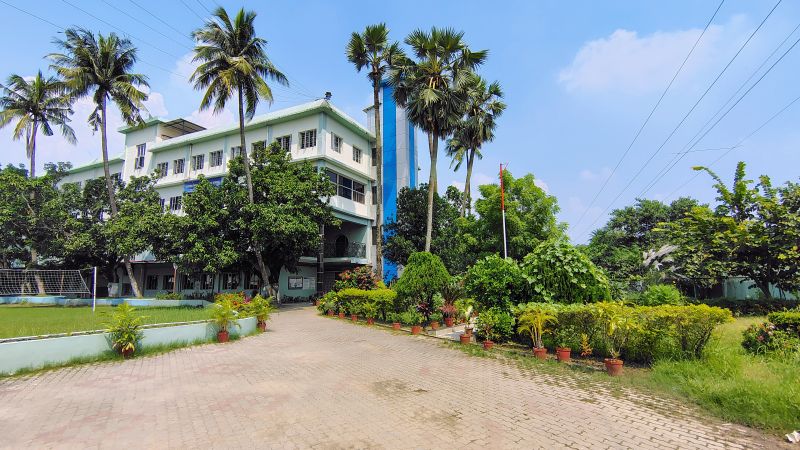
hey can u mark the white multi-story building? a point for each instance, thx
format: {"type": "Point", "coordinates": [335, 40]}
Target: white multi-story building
{"type": "Point", "coordinates": [318, 132]}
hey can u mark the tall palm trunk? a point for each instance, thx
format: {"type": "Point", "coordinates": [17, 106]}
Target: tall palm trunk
{"type": "Point", "coordinates": [262, 268]}
{"type": "Point", "coordinates": [433, 145]}
{"type": "Point", "coordinates": [467, 203]}
{"type": "Point", "coordinates": [112, 198]}
{"type": "Point", "coordinates": [379, 176]}
{"type": "Point", "coordinates": [31, 149]}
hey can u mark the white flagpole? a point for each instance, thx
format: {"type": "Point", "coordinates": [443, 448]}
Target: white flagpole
{"type": "Point", "coordinates": [94, 288]}
{"type": "Point", "coordinates": [503, 208]}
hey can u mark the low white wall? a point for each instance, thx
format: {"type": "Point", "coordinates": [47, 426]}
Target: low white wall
{"type": "Point", "coordinates": [140, 302]}
{"type": "Point", "coordinates": [36, 353]}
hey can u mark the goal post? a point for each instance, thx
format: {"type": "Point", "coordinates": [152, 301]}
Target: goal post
{"type": "Point", "coordinates": [24, 282]}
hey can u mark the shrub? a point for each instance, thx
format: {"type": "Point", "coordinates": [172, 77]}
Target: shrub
{"type": "Point", "coordinates": [436, 317]}
{"type": "Point", "coordinates": [359, 278]}
{"type": "Point", "coordinates": [351, 299]}
{"type": "Point", "coordinates": [125, 328]}
{"type": "Point", "coordinates": [558, 272]}
{"type": "Point", "coordinates": [767, 339]}
{"type": "Point", "coordinates": [495, 324]}
{"type": "Point", "coordinates": [661, 294]}
{"type": "Point", "coordinates": [169, 296]}
{"type": "Point", "coordinates": [423, 277]}
{"type": "Point", "coordinates": [261, 308]}
{"type": "Point", "coordinates": [369, 310]}
{"type": "Point", "coordinates": [238, 300]}
{"type": "Point", "coordinates": [329, 301]}
{"type": "Point", "coordinates": [535, 320]}
{"type": "Point", "coordinates": [694, 325]}
{"type": "Point", "coordinates": [223, 315]}
{"type": "Point", "coordinates": [495, 282]}
{"type": "Point", "coordinates": [384, 300]}
{"type": "Point", "coordinates": [788, 321]}
{"type": "Point", "coordinates": [752, 307]}
{"type": "Point", "coordinates": [410, 317]}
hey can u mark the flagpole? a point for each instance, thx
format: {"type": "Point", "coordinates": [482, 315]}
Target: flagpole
{"type": "Point", "coordinates": [503, 209]}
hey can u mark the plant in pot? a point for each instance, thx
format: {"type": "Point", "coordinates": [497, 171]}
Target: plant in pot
{"type": "Point", "coordinates": [465, 307]}
{"type": "Point", "coordinates": [494, 325]}
{"type": "Point", "coordinates": [449, 313]}
{"type": "Point", "coordinates": [370, 311]}
{"type": "Point", "coordinates": [223, 315]}
{"type": "Point", "coordinates": [413, 319]}
{"type": "Point", "coordinates": [396, 319]}
{"type": "Point", "coordinates": [535, 322]}
{"type": "Point", "coordinates": [566, 338]}
{"type": "Point", "coordinates": [619, 322]}
{"type": "Point", "coordinates": [261, 308]}
{"type": "Point", "coordinates": [125, 330]}
{"type": "Point", "coordinates": [436, 319]}
{"type": "Point", "coordinates": [451, 292]}
{"type": "Point", "coordinates": [327, 304]}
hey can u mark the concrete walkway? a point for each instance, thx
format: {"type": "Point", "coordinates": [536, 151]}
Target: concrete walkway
{"type": "Point", "coordinates": [324, 383]}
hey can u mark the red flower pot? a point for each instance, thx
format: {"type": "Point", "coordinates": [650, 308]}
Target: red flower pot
{"type": "Point", "coordinates": [416, 329]}
{"type": "Point", "coordinates": [563, 354]}
{"type": "Point", "coordinates": [395, 325]}
{"type": "Point", "coordinates": [316, 302]}
{"type": "Point", "coordinates": [465, 338]}
{"type": "Point", "coordinates": [262, 325]}
{"type": "Point", "coordinates": [127, 353]}
{"type": "Point", "coordinates": [468, 331]}
{"type": "Point", "coordinates": [434, 325]}
{"type": "Point", "coordinates": [487, 345]}
{"type": "Point", "coordinates": [330, 312]}
{"type": "Point", "coordinates": [341, 315]}
{"type": "Point", "coordinates": [613, 366]}
{"type": "Point", "coordinates": [540, 353]}
{"type": "Point", "coordinates": [448, 322]}
{"type": "Point", "coordinates": [354, 317]}
{"type": "Point", "coordinates": [222, 336]}
{"type": "Point", "coordinates": [370, 321]}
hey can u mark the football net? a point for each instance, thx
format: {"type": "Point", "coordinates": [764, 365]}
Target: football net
{"type": "Point", "coordinates": [42, 282]}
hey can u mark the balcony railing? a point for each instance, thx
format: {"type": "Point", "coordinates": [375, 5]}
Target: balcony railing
{"type": "Point", "coordinates": [350, 250]}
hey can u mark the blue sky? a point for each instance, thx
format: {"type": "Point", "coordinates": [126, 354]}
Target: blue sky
{"type": "Point", "coordinates": [579, 77]}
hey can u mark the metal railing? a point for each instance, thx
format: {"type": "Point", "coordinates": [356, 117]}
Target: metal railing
{"type": "Point", "coordinates": [351, 250]}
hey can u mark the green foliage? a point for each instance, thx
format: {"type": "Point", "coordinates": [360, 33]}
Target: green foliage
{"type": "Point", "coordinates": [328, 302]}
{"type": "Point", "coordinates": [558, 272]}
{"type": "Point", "coordinates": [768, 339]}
{"type": "Point", "coordinates": [352, 299]}
{"type": "Point", "coordinates": [495, 282]}
{"type": "Point", "coordinates": [125, 328]}
{"type": "Point", "coordinates": [786, 320]}
{"type": "Point", "coordinates": [223, 314]}
{"type": "Point", "coordinates": [423, 277]}
{"type": "Point", "coordinates": [383, 299]}
{"type": "Point", "coordinates": [535, 320]}
{"type": "Point", "coordinates": [410, 317]}
{"type": "Point", "coordinates": [169, 296]}
{"type": "Point", "coordinates": [752, 307]}
{"type": "Point", "coordinates": [261, 308]}
{"type": "Point", "coordinates": [369, 310]}
{"type": "Point", "coordinates": [495, 325]}
{"type": "Point", "coordinates": [464, 308]}
{"type": "Point", "coordinates": [362, 277]}
{"type": "Point", "coordinates": [661, 294]}
{"type": "Point", "coordinates": [139, 223]}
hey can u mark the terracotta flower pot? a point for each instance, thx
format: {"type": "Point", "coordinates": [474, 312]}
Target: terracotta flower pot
{"type": "Point", "coordinates": [465, 338]}
{"type": "Point", "coordinates": [354, 317]}
{"type": "Point", "coordinates": [395, 325]}
{"type": "Point", "coordinates": [563, 354]}
{"type": "Point", "coordinates": [341, 315]}
{"type": "Point", "coordinates": [330, 312]}
{"type": "Point", "coordinates": [127, 353]}
{"type": "Point", "coordinates": [416, 329]}
{"type": "Point", "coordinates": [468, 331]}
{"type": "Point", "coordinates": [262, 325]}
{"type": "Point", "coordinates": [434, 325]}
{"type": "Point", "coordinates": [316, 302]}
{"type": "Point", "coordinates": [448, 322]}
{"type": "Point", "coordinates": [222, 336]}
{"type": "Point", "coordinates": [487, 345]}
{"type": "Point", "coordinates": [540, 353]}
{"type": "Point", "coordinates": [370, 321]}
{"type": "Point", "coordinates": [613, 366]}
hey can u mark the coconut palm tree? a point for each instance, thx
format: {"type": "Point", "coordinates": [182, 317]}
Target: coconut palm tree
{"type": "Point", "coordinates": [371, 50]}
{"type": "Point", "coordinates": [233, 62]}
{"type": "Point", "coordinates": [100, 67]}
{"type": "Point", "coordinates": [433, 90]}
{"type": "Point", "coordinates": [484, 105]}
{"type": "Point", "coordinates": [40, 103]}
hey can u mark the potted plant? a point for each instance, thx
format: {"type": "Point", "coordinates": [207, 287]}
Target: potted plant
{"type": "Point", "coordinates": [395, 319]}
{"type": "Point", "coordinates": [370, 311]}
{"type": "Point", "coordinates": [125, 330]}
{"type": "Point", "coordinates": [534, 322]}
{"type": "Point", "coordinates": [449, 312]}
{"type": "Point", "coordinates": [451, 292]}
{"type": "Point", "coordinates": [619, 322]}
{"type": "Point", "coordinates": [436, 317]}
{"type": "Point", "coordinates": [465, 307]}
{"type": "Point", "coordinates": [565, 337]}
{"type": "Point", "coordinates": [261, 308]}
{"type": "Point", "coordinates": [223, 315]}
{"type": "Point", "coordinates": [413, 319]}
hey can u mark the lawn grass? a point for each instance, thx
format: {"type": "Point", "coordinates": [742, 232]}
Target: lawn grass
{"type": "Point", "coordinates": [23, 320]}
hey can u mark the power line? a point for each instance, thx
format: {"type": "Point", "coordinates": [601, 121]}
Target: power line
{"type": "Point", "coordinates": [180, 33]}
{"type": "Point", "coordinates": [204, 7]}
{"type": "Point", "coordinates": [674, 130]}
{"type": "Point", "coordinates": [193, 11]}
{"type": "Point", "coordinates": [146, 25]}
{"type": "Point", "coordinates": [649, 116]}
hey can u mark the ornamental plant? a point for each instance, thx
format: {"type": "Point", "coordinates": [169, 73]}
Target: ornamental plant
{"type": "Point", "coordinates": [223, 315]}
{"type": "Point", "coordinates": [661, 294]}
{"type": "Point", "coordinates": [362, 277]}
{"type": "Point", "coordinates": [619, 323]}
{"type": "Point", "coordinates": [536, 321]}
{"type": "Point", "coordinates": [495, 325]}
{"type": "Point", "coordinates": [556, 271]}
{"type": "Point", "coordinates": [125, 329]}
{"type": "Point", "coordinates": [261, 308]}
{"type": "Point", "coordinates": [369, 310]}
{"type": "Point", "coordinates": [410, 317]}
{"type": "Point", "coordinates": [423, 277]}
{"type": "Point", "coordinates": [495, 282]}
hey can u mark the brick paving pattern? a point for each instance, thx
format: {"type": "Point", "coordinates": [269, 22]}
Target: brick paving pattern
{"type": "Point", "coordinates": [314, 382]}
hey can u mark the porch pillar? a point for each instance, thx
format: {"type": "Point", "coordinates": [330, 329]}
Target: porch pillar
{"type": "Point", "coordinates": [321, 261]}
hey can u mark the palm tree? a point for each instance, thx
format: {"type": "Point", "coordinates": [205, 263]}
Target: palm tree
{"type": "Point", "coordinates": [100, 67]}
{"type": "Point", "coordinates": [373, 51]}
{"type": "Point", "coordinates": [38, 103]}
{"type": "Point", "coordinates": [233, 61]}
{"type": "Point", "coordinates": [433, 90]}
{"type": "Point", "coordinates": [476, 128]}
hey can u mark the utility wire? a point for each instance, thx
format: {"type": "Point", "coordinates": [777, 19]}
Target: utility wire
{"type": "Point", "coordinates": [147, 25]}
{"type": "Point", "coordinates": [179, 32]}
{"type": "Point", "coordinates": [649, 116]}
{"type": "Point", "coordinates": [202, 19]}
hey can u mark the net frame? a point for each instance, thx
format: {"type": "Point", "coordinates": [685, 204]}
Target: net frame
{"type": "Point", "coordinates": [24, 282]}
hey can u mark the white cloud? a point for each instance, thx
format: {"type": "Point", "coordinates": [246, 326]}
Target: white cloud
{"type": "Point", "coordinates": [155, 105]}
{"type": "Point", "coordinates": [627, 62]}
{"type": "Point", "coordinates": [183, 70]}
{"type": "Point", "coordinates": [208, 119]}
{"type": "Point", "coordinates": [600, 175]}
{"type": "Point", "coordinates": [458, 185]}
{"type": "Point", "coordinates": [542, 185]}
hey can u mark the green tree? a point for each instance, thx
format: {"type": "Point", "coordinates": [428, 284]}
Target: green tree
{"type": "Point", "coordinates": [432, 89]}
{"type": "Point", "coordinates": [556, 271]}
{"type": "Point", "coordinates": [484, 105]}
{"type": "Point", "coordinates": [101, 67]}
{"type": "Point", "coordinates": [40, 103]}
{"type": "Point", "coordinates": [530, 216]}
{"type": "Point", "coordinates": [233, 62]}
{"type": "Point", "coordinates": [372, 50]}
{"type": "Point", "coordinates": [496, 282]}
{"type": "Point", "coordinates": [423, 277]}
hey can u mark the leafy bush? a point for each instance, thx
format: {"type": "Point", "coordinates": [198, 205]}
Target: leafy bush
{"type": "Point", "coordinates": [558, 272]}
{"type": "Point", "coordinates": [495, 325]}
{"type": "Point", "coordinates": [535, 320]}
{"type": "Point", "coordinates": [752, 307]}
{"type": "Point", "coordinates": [788, 321]}
{"type": "Point", "coordinates": [495, 282]}
{"type": "Point", "coordinates": [767, 339]}
{"type": "Point", "coordinates": [328, 302]}
{"type": "Point", "coordinates": [125, 328]}
{"type": "Point", "coordinates": [410, 317]}
{"type": "Point", "coordinates": [437, 317]}
{"type": "Point", "coordinates": [384, 299]}
{"type": "Point", "coordinates": [238, 300]}
{"type": "Point", "coordinates": [261, 308]}
{"type": "Point", "coordinates": [423, 277]}
{"type": "Point", "coordinates": [351, 299]}
{"type": "Point", "coordinates": [361, 277]}
{"type": "Point", "coordinates": [223, 314]}
{"type": "Point", "coordinates": [169, 296]}
{"type": "Point", "coordinates": [661, 294]}
{"type": "Point", "coordinates": [369, 310]}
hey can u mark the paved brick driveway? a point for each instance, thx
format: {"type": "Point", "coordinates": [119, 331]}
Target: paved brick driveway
{"type": "Point", "coordinates": [317, 382]}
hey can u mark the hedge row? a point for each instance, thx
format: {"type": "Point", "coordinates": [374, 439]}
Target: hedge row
{"type": "Point", "coordinates": [352, 301]}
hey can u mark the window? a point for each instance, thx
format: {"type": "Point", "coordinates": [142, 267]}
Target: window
{"type": "Point", "coordinates": [207, 281]}
{"type": "Point", "coordinates": [161, 169]}
{"type": "Point", "coordinates": [230, 281]}
{"type": "Point", "coordinates": [152, 282]}
{"type": "Point", "coordinates": [139, 162]}
{"type": "Point", "coordinates": [336, 142]}
{"type": "Point", "coordinates": [236, 151]}
{"type": "Point", "coordinates": [357, 155]}
{"type": "Point", "coordinates": [197, 162]}
{"type": "Point", "coordinates": [169, 282]}
{"type": "Point", "coordinates": [347, 188]}
{"type": "Point", "coordinates": [253, 280]}
{"type": "Point", "coordinates": [161, 202]}
{"type": "Point", "coordinates": [374, 235]}
{"type": "Point", "coordinates": [308, 138]}
{"type": "Point", "coordinates": [177, 166]}
{"type": "Point", "coordinates": [285, 142]}
{"type": "Point", "coordinates": [374, 157]}
{"type": "Point", "coordinates": [374, 195]}
{"type": "Point", "coordinates": [176, 203]}
{"type": "Point", "coordinates": [215, 158]}
{"type": "Point", "coordinates": [259, 145]}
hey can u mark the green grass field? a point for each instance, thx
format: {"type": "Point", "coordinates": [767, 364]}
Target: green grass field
{"type": "Point", "coordinates": [26, 320]}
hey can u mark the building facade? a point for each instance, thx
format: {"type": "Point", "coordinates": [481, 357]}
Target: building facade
{"type": "Point", "coordinates": [318, 132]}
